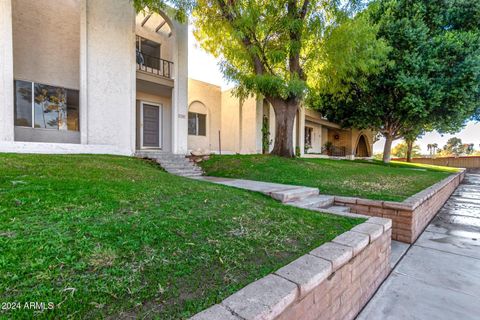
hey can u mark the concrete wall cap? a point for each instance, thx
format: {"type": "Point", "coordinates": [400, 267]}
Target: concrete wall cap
{"type": "Point", "coordinates": [357, 241]}
{"type": "Point", "coordinates": [263, 299]}
{"type": "Point", "coordinates": [350, 200]}
{"type": "Point", "coordinates": [367, 202]}
{"type": "Point", "coordinates": [374, 231]}
{"type": "Point", "coordinates": [307, 272]}
{"type": "Point", "coordinates": [385, 222]}
{"type": "Point", "coordinates": [336, 253]}
{"type": "Point", "coordinates": [397, 205]}
{"type": "Point", "coordinates": [422, 196]}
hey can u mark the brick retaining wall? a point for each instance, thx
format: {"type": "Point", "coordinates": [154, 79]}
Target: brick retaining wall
{"type": "Point", "coordinates": [411, 216]}
{"type": "Point", "coordinates": [334, 281]}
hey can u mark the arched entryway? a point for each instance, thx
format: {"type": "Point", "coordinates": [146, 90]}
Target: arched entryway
{"type": "Point", "coordinates": [362, 147]}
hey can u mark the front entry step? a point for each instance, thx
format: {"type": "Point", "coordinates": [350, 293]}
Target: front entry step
{"type": "Point", "coordinates": [294, 194]}
{"type": "Point", "coordinates": [315, 201]}
{"type": "Point", "coordinates": [172, 163]}
{"type": "Point", "coordinates": [318, 202]}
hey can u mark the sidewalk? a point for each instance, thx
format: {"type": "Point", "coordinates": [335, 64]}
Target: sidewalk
{"type": "Point", "coordinates": [439, 277]}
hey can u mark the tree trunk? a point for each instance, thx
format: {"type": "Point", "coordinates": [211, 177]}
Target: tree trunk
{"type": "Point", "coordinates": [285, 112]}
{"type": "Point", "coordinates": [387, 150]}
{"type": "Point", "coordinates": [409, 150]}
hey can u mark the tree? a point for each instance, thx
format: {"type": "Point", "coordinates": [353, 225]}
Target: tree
{"type": "Point", "coordinates": [430, 80]}
{"type": "Point", "coordinates": [410, 135]}
{"type": "Point", "coordinates": [284, 50]}
{"type": "Point", "coordinates": [402, 149]}
{"type": "Point", "coordinates": [455, 147]}
{"type": "Point", "coordinates": [432, 148]}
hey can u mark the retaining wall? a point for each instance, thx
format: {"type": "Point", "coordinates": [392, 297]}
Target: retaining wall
{"type": "Point", "coordinates": [411, 216]}
{"type": "Point", "coordinates": [334, 281]}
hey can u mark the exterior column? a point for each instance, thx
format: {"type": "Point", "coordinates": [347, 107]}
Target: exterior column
{"type": "Point", "coordinates": [83, 73]}
{"type": "Point", "coordinates": [259, 124]}
{"type": "Point", "coordinates": [6, 72]}
{"type": "Point", "coordinates": [180, 91]}
{"type": "Point", "coordinates": [301, 130]}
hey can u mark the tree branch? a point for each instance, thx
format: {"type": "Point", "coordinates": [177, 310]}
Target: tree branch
{"type": "Point", "coordinates": [246, 41]}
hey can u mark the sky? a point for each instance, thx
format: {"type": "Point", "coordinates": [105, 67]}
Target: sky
{"type": "Point", "coordinates": [204, 67]}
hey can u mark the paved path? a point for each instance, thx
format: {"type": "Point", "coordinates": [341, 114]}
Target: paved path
{"type": "Point", "coordinates": [439, 277]}
{"type": "Point", "coordinates": [297, 196]}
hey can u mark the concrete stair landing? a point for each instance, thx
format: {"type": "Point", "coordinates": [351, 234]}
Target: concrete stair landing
{"type": "Point", "coordinates": [172, 163]}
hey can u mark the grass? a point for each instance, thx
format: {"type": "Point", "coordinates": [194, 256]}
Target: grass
{"type": "Point", "coordinates": [365, 179]}
{"type": "Point", "coordinates": [116, 237]}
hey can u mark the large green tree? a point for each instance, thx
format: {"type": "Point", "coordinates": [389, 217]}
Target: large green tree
{"type": "Point", "coordinates": [403, 149]}
{"type": "Point", "coordinates": [455, 147]}
{"type": "Point", "coordinates": [431, 79]}
{"type": "Point", "coordinates": [284, 50]}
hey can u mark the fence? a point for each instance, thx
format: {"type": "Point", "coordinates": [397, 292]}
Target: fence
{"type": "Point", "coordinates": [458, 162]}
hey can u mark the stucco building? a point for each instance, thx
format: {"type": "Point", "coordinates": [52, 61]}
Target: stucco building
{"type": "Point", "coordinates": [91, 76]}
{"type": "Point", "coordinates": [235, 126]}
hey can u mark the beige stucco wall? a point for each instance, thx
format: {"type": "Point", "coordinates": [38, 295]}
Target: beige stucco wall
{"type": "Point", "coordinates": [230, 126]}
{"type": "Point", "coordinates": [205, 98]}
{"type": "Point", "coordinates": [6, 73]}
{"type": "Point", "coordinates": [248, 123]}
{"type": "Point", "coordinates": [240, 124]}
{"type": "Point", "coordinates": [46, 41]}
{"type": "Point", "coordinates": [110, 78]}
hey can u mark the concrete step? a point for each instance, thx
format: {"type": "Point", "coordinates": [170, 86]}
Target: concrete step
{"type": "Point", "coordinates": [190, 175]}
{"type": "Point", "coordinates": [178, 165]}
{"type": "Point", "coordinates": [294, 194]}
{"type": "Point", "coordinates": [185, 171]}
{"type": "Point", "coordinates": [338, 209]}
{"type": "Point", "coordinates": [158, 154]}
{"type": "Point", "coordinates": [177, 169]}
{"type": "Point", "coordinates": [172, 163]}
{"type": "Point", "coordinates": [315, 201]}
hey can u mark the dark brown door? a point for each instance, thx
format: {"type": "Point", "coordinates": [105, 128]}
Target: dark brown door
{"type": "Point", "coordinates": [362, 149]}
{"type": "Point", "coordinates": [151, 126]}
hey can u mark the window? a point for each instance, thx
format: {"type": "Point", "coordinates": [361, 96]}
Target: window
{"type": "Point", "coordinates": [23, 104]}
{"type": "Point", "coordinates": [48, 107]}
{"type": "Point", "coordinates": [197, 124]}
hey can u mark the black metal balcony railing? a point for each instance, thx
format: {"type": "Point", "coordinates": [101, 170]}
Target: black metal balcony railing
{"type": "Point", "coordinates": [158, 66]}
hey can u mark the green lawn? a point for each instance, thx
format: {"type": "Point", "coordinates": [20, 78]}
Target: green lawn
{"type": "Point", "coordinates": [371, 180]}
{"type": "Point", "coordinates": [105, 236]}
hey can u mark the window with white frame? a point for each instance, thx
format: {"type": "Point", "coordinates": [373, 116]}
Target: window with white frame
{"type": "Point", "coordinates": [42, 106]}
{"type": "Point", "coordinates": [197, 124]}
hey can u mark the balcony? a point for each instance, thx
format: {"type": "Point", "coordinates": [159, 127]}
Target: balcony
{"type": "Point", "coordinates": [154, 65]}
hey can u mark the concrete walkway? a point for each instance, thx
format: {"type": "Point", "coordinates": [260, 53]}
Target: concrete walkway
{"type": "Point", "coordinates": [439, 277]}
{"type": "Point", "coordinates": [297, 196]}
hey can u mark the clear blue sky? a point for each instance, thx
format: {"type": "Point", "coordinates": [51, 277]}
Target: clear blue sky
{"type": "Point", "coordinates": [203, 66]}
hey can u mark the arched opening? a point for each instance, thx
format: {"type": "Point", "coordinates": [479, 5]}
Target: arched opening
{"type": "Point", "coordinates": [362, 147]}
{"type": "Point", "coordinates": [198, 127]}
{"type": "Point", "coordinates": [155, 43]}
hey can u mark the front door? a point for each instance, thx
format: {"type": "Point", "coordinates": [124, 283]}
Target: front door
{"type": "Point", "coordinates": [151, 126]}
